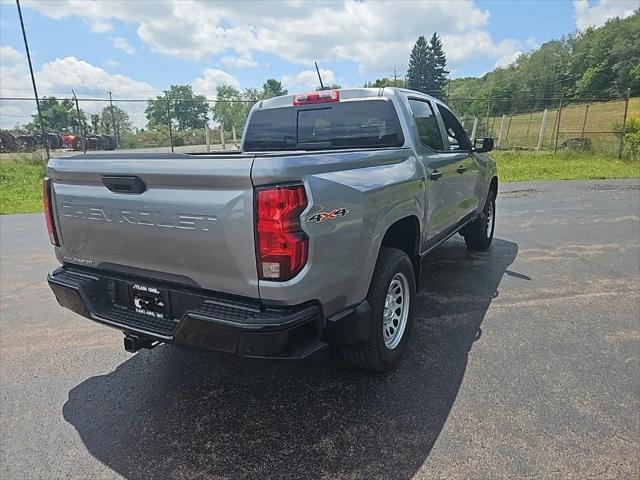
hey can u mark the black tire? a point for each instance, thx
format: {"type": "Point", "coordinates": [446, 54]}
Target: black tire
{"type": "Point", "coordinates": [479, 233]}
{"type": "Point", "coordinates": [26, 142]}
{"type": "Point", "coordinates": [375, 355]}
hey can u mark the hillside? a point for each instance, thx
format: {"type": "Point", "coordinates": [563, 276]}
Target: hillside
{"type": "Point", "coordinates": [597, 63]}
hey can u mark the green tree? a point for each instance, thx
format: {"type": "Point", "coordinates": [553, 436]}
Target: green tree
{"type": "Point", "coordinates": [273, 88]}
{"type": "Point", "coordinates": [123, 125]}
{"type": "Point", "coordinates": [420, 66]}
{"type": "Point", "coordinates": [596, 62]}
{"type": "Point", "coordinates": [333, 86]}
{"type": "Point", "coordinates": [230, 110]}
{"type": "Point", "coordinates": [438, 72]}
{"type": "Point", "coordinates": [95, 123]}
{"type": "Point", "coordinates": [386, 82]}
{"type": "Point", "coordinates": [57, 116]}
{"type": "Point", "coordinates": [187, 110]}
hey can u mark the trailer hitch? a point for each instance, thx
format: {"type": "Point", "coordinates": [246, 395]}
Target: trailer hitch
{"type": "Point", "coordinates": [133, 343]}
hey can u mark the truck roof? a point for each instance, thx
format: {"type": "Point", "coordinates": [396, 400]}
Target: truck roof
{"type": "Point", "coordinates": [347, 94]}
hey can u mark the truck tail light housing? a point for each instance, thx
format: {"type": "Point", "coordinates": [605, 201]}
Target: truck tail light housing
{"type": "Point", "coordinates": [282, 246]}
{"type": "Point", "coordinates": [48, 212]}
{"type": "Point", "coordinates": [323, 96]}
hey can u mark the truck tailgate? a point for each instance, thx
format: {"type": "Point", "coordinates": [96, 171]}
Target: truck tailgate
{"type": "Point", "coordinates": [192, 223]}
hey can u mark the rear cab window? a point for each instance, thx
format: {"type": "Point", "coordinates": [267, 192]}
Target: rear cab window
{"type": "Point", "coordinates": [371, 123]}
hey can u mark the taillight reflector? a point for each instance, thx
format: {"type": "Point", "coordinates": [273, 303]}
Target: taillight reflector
{"type": "Point", "coordinates": [323, 96]}
{"type": "Point", "coordinates": [282, 245]}
{"type": "Point", "coordinates": [48, 212]}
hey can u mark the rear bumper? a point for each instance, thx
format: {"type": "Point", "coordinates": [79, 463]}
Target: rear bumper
{"type": "Point", "coordinates": [196, 318]}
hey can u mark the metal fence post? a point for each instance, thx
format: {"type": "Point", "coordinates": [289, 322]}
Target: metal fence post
{"type": "Point", "coordinates": [508, 128]}
{"type": "Point", "coordinates": [113, 121]}
{"type": "Point", "coordinates": [82, 134]}
{"type": "Point", "coordinates": [474, 130]}
{"type": "Point", "coordinates": [207, 140]}
{"type": "Point", "coordinates": [169, 121]}
{"type": "Point", "coordinates": [624, 123]}
{"type": "Point", "coordinates": [486, 126]}
{"type": "Point", "coordinates": [222, 136]}
{"type": "Point", "coordinates": [33, 81]}
{"type": "Point", "coordinates": [501, 133]}
{"type": "Point", "coordinates": [233, 134]}
{"type": "Point", "coordinates": [555, 145]}
{"type": "Point", "coordinates": [584, 120]}
{"type": "Point", "coordinates": [543, 128]}
{"type": "Point", "coordinates": [526, 136]}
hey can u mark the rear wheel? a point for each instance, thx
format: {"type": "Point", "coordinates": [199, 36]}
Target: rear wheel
{"type": "Point", "coordinates": [479, 233]}
{"type": "Point", "coordinates": [392, 299]}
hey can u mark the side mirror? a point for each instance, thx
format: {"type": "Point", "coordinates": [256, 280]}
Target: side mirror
{"type": "Point", "coordinates": [481, 145]}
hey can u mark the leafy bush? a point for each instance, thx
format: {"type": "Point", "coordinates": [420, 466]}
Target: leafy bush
{"type": "Point", "coordinates": [632, 138]}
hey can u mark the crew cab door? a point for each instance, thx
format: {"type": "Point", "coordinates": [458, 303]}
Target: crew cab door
{"type": "Point", "coordinates": [459, 152]}
{"type": "Point", "coordinates": [440, 167]}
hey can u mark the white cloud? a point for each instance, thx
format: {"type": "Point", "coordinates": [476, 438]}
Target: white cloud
{"type": "Point", "coordinates": [211, 79]}
{"type": "Point", "coordinates": [111, 63]}
{"type": "Point", "coordinates": [242, 61]}
{"type": "Point", "coordinates": [122, 44]}
{"type": "Point", "coordinates": [307, 80]}
{"type": "Point", "coordinates": [58, 78]}
{"type": "Point", "coordinates": [595, 15]}
{"type": "Point", "coordinates": [377, 35]}
{"type": "Point", "coordinates": [10, 55]}
{"type": "Point", "coordinates": [101, 27]}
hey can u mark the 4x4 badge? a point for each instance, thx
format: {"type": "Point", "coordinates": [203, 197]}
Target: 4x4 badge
{"type": "Point", "coordinates": [322, 216]}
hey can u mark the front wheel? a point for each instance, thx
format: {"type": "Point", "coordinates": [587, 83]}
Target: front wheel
{"type": "Point", "coordinates": [479, 233]}
{"type": "Point", "coordinates": [392, 300]}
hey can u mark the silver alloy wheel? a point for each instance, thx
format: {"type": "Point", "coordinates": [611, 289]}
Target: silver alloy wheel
{"type": "Point", "coordinates": [490, 220]}
{"type": "Point", "coordinates": [396, 310]}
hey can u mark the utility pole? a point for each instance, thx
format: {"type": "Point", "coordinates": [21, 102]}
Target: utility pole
{"type": "Point", "coordinates": [113, 120]}
{"type": "Point", "coordinates": [33, 81]}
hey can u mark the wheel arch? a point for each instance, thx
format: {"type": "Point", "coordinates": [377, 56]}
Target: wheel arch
{"type": "Point", "coordinates": [493, 185]}
{"type": "Point", "coordinates": [404, 234]}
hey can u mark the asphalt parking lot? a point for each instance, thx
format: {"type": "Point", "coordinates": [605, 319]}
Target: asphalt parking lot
{"type": "Point", "coordinates": [524, 363]}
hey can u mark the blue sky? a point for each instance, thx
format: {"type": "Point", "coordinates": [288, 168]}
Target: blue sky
{"type": "Point", "coordinates": [136, 49]}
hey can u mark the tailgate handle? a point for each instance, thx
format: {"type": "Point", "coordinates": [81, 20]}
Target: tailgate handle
{"type": "Point", "coordinates": [119, 184]}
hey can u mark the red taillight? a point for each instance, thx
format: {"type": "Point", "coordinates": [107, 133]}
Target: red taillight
{"type": "Point", "coordinates": [324, 96]}
{"type": "Point", "coordinates": [282, 245]}
{"type": "Point", "coordinates": [48, 212]}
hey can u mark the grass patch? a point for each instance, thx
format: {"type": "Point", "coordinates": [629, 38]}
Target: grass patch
{"type": "Point", "coordinates": [21, 185]}
{"type": "Point", "coordinates": [521, 166]}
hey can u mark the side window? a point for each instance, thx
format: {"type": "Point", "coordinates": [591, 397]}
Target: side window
{"type": "Point", "coordinates": [458, 139]}
{"type": "Point", "coordinates": [427, 124]}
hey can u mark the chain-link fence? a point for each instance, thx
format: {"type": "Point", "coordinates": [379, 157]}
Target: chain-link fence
{"type": "Point", "coordinates": [89, 124]}
{"type": "Point", "coordinates": [594, 125]}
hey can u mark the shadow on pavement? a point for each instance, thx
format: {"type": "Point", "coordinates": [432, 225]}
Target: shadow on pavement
{"type": "Point", "coordinates": [174, 413]}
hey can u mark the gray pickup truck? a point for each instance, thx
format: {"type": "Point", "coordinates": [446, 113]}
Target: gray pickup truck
{"type": "Point", "coordinates": [312, 234]}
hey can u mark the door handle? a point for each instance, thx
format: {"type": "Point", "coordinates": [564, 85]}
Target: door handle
{"type": "Point", "coordinates": [435, 175]}
{"type": "Point", "coordinates": [461, 169]}
{"type": "Point", "coordinates": [123, 184]}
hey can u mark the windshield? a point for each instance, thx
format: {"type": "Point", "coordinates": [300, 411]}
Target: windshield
{"type": "Point", "coordinates": [355, 124]}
